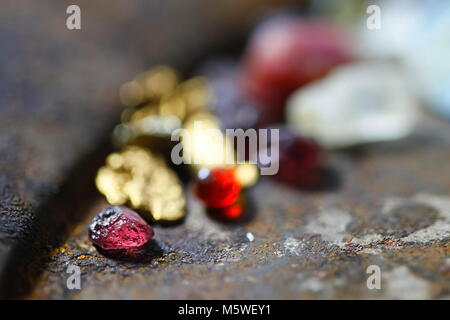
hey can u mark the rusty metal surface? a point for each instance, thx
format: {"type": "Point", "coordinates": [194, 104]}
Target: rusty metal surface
{"type": "Point", "coordinates": [386, 204]}
{"type": "Point", "coordinates": [58, 101]}
{"type": "Point", "coordinates": [389, 205]}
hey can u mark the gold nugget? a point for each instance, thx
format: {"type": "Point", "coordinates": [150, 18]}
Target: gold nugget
{"type": "Point", "coordinates": [142, 179]}
{"type": "Point", "coordinates": [157, 104]}
{"type": "Point", "coordinates": [196, 94]}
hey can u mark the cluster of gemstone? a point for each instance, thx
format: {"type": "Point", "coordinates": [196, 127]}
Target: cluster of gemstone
{"type": "Point", "coordinates": [156, 104]}
{"type": "Point", "coordinates": [297, 76]}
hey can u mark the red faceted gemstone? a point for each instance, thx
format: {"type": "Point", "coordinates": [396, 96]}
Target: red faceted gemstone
{"type": "Point", "coordinates": [118, 228]}
{"type": "Point", "coordinates": [285, 53]}
{"type": "Point", "coordinates": [217, 187]}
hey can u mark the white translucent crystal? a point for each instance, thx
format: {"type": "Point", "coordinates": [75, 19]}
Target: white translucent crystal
{"type": "Point", "coordinates": [356, 103]}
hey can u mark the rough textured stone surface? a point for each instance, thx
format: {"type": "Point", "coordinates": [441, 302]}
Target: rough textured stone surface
{"type": "Point", "coordinates": [386, 204]}
{"type": "Point", "coordinates": [58, 99]}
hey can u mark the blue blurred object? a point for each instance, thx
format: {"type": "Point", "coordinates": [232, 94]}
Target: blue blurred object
{"type": "Point", "coordinates": [416, 34]}
{"type": "Point", "coordinates": [440, 98]}
{"type": "Point", "coordinates": [429, 58]}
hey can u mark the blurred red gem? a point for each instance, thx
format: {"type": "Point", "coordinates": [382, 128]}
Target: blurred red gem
{"type": "Point", "coordinates": [229, 213]}
{"type": "Point", "coordinates": [285, 53]}
{"type": "Point", "coordinates": [217, 187]}
{"type": "Point", "coordinates": [299, 158]}
{"type": "Point", "coordinates": [119, 228]}
{"type": "Point", "coordinates": [232, 213]}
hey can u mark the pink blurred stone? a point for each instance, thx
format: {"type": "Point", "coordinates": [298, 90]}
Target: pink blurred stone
{"type": "Point", "coordinates": [285, 53]}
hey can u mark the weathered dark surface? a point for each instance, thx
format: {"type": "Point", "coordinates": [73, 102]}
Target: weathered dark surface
{"type": "Point", "coordinates": [391, 209]}
{"type": "Point", "coordinates": [58, 99]}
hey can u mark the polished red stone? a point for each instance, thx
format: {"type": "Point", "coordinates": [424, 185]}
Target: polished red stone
{"type": "Point", "coordinates": [217, 187]}
{"type": "Point", "coordinates": [285, 53]}
{"type": "Point", "coordinates": [118, 228]}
